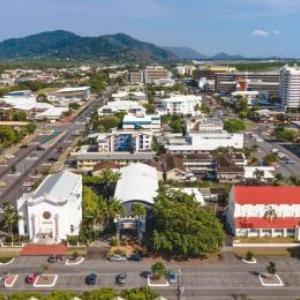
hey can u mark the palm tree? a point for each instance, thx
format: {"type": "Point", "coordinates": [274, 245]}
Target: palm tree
{"type": "Point", "coordinates": [108, 179]}
{"type": "Point", "coordinates": [10, 218]}
{"type": "Point", "coordinates": [115, 211]}
{"type": "Point", "coordinates": [270, 214]}
{"type": "Point", "coordinates": [139, 211]}
{"type": "Point", "coordinates": [259, 174]}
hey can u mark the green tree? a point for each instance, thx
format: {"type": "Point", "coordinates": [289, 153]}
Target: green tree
{"type": "Point", "coordinates": [271, 268]}
{"type": "Point", "coordinates": [234, 125]}
{"type": "Point", "coordinates": [101, 294]}
{"type": "Point", "coordinates": [139, 210]}
{"type": "Point", "coordinates": [159, 270]}
{"type": "Point", "coordinates": [183, 228]}
{"type": "Point", "coordinates": [249, 256]}
{"type": "Point", "coordinates": [10, 219]}
{"type": "Point", "coordinates": [144, 293]}
{"type": "Point", "coordinates": [286, 134]}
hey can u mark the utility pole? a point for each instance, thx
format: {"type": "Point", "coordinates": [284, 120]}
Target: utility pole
{"type": "Point", "coordinates": [180, 289]}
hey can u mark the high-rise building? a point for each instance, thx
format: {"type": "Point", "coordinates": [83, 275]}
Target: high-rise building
{"type": "Point", "coordinates": [290, 86]}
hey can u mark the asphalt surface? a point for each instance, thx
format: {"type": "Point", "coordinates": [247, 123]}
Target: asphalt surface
{"type": "Point", "coordinates": [221, 280]}
{"type": "Point", "coordinates": [27, 160]}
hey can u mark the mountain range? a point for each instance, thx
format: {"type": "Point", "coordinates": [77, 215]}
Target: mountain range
{"type": "Point", "coordinates": [186, 53]}
{"type": "Point", "coordinates": [67, 45]}
{"type": "Point", "coordinates": [119, 47]}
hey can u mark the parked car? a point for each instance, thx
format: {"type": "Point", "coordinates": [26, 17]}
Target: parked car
{"type": "Point", "coordinates": [136, 257]}
{"type": "Point", "coordinates": [23, 146]}
{"type": "Point", "coordinates": [91, 279]}
{"type": "Point", "coordinates": [39, 148]}
{"type": "Point", "coordinates": [172, 276]}
{"type": "Point", "coordinates": [52, 159]}
{"type": "Point", "coordinates": [117, 258]}
{"type": "Point", "coordinates": [145, 274]}
{"type": "Point", "coordinates": [31, 278]}
{"type": "Point", "coordinates": [54, 258]}
{"type": "Point", "coordinates": [121, 278]}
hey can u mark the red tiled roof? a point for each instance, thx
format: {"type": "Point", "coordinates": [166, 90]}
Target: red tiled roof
{"type": "Point", "coordinates": [43, 250]}
{"type": "Point", "coordinates": [253, 222]}
{"type": "Point", "coordinates": [267, 194]}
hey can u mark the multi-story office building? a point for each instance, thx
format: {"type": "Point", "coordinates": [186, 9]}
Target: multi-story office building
{"type": "Point", "coordinates": [290, 86]}
{"type": "Point", "coordinates": [153, 74]}
{"type": "Point", "coordinates": [141, 121]}
{"type": "Point", "coordinates": [182, 104]}
{"type": "Point", "coordinates": [136, 76]}
{"type": "Point", "coordinates": [126, 106]}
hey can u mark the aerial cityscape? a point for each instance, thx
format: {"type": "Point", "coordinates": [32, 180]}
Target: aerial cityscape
{"type": "Point", "coordinates": [150, 150]}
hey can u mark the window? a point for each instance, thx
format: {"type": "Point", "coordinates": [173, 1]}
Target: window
{"type": "Point", "coordinates": [72, 228]}
{"type": "Point", "coordinates": [25, 229]}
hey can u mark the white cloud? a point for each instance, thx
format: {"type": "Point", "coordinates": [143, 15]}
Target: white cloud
{"type": "Point", "coordinates": [260, 33]}
{"type": "Point", "coordinates": [264, 33]}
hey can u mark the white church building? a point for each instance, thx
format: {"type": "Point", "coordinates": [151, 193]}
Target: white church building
{"type": "Point", "coordinates": [54, 210]}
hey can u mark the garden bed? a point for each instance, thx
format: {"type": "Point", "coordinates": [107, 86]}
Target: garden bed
{"type": "Point", "coordinates": [154, 282]}
{"type": "Point", "coordinates": [269, 280]}
{"type": "Point", "coordinates": [46, 280]}
{"type": "Point", "coordinates": [6, 260]}
{"type": "Point", "coordinates": [10, 280]}
{"type": "Point", "coordinates": [74, 261]}
{"type": "Point", "coordinates": [252, 261]}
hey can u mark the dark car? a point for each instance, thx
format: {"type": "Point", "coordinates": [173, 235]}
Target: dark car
{"type": "Point", "coordinates": [145, 274]}
{"type": "Point", "coordinates": [23, 146]}
{"type": "Point", "coordinates": [52, 159]}
{"type": "Point", "coordinates": [39, 148]}
{"type": "Point", "coordinates": [136, 257]}
{"type": "Point", "coordinates": [91, 279]}
{"type": "Point", "coordinates": [121, 278]}
{"type": "Point", "coordinates": [55, 258]}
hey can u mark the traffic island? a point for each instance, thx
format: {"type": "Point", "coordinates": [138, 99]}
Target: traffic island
{"type": "Point", "coordinates": [6, 260]}
{"type": "Point", "coordinates": [45, 280]}
{"type": "Point", "coordinates": [157, 282]}
{"type": "Point", "coordinates": [249, 261]}
{"type": "Point", "coordinates": [269, 280]}
{"type": "Point", "coordinates": [10, 280]}
{"type": "Point", "coordinates": [74, 261]}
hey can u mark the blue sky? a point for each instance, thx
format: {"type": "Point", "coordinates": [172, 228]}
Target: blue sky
{"type": "Point", "coordinates": [248, 27]}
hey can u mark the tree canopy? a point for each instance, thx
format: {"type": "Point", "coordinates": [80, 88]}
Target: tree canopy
{"type": "Point", "coordinates": [234, 125]}
{"type": "Point", "coordinates": [183, 228]}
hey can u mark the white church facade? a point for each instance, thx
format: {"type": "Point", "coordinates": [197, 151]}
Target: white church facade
{"type": "Point", "coordinates": [54, 210]}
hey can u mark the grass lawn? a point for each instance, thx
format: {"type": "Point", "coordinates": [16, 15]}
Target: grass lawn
{"type": "Point", "coordinates": [266, 240]}
{"type": "Point", "coordinates": [80, 250]}
{"type": "Point", "coordinates": [9, 252]}
{"type": "Point", "coordinates": [46, 90]}
{"type": "Point", "coordinates": [249, 124]}
{"type": "Point", "coordinates": [262, 251]}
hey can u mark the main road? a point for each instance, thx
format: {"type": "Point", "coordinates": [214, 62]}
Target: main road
{"type": "Point", "coordinates": [200, 280]}
{"type": "Point", "coordinates": [29, 159]}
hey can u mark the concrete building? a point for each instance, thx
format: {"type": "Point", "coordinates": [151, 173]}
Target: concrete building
{"type": "Point", "coordinates": [54, 210]}
{"type": "Point", "coordinates": [181, 104]}
{"type": "Point", "coordinates": [264, 211]}
{"type": "Point", "coordinates": [138, 183]}
{"type": "Point", "coordinates": [82, 92]}
{"type": "Point", "coordinates": [205, 141]}
{"type": "Point", "coordinates": [136, 76]}
{"type": "Point", "coordinates": [141, 121]}
{"type": "Point", "coordinates": [86, 161]}
{"type": "Point", "coordinates": [153, 74]}
{"type": "Point", "coordinates": [290, 86]}
{"type": "Point", "coordinates": [126, 106]}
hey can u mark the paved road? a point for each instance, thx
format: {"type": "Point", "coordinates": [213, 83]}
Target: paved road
{"type": "Point", "coordinates": [220, 280]}
{"type": "Point", "coordinates": [28, 160]}
{"type": "Point", "coordinates": [265, 146]}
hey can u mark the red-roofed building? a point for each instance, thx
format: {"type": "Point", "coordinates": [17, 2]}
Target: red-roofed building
{"type": "Point", "coordinates": [258, 211]}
